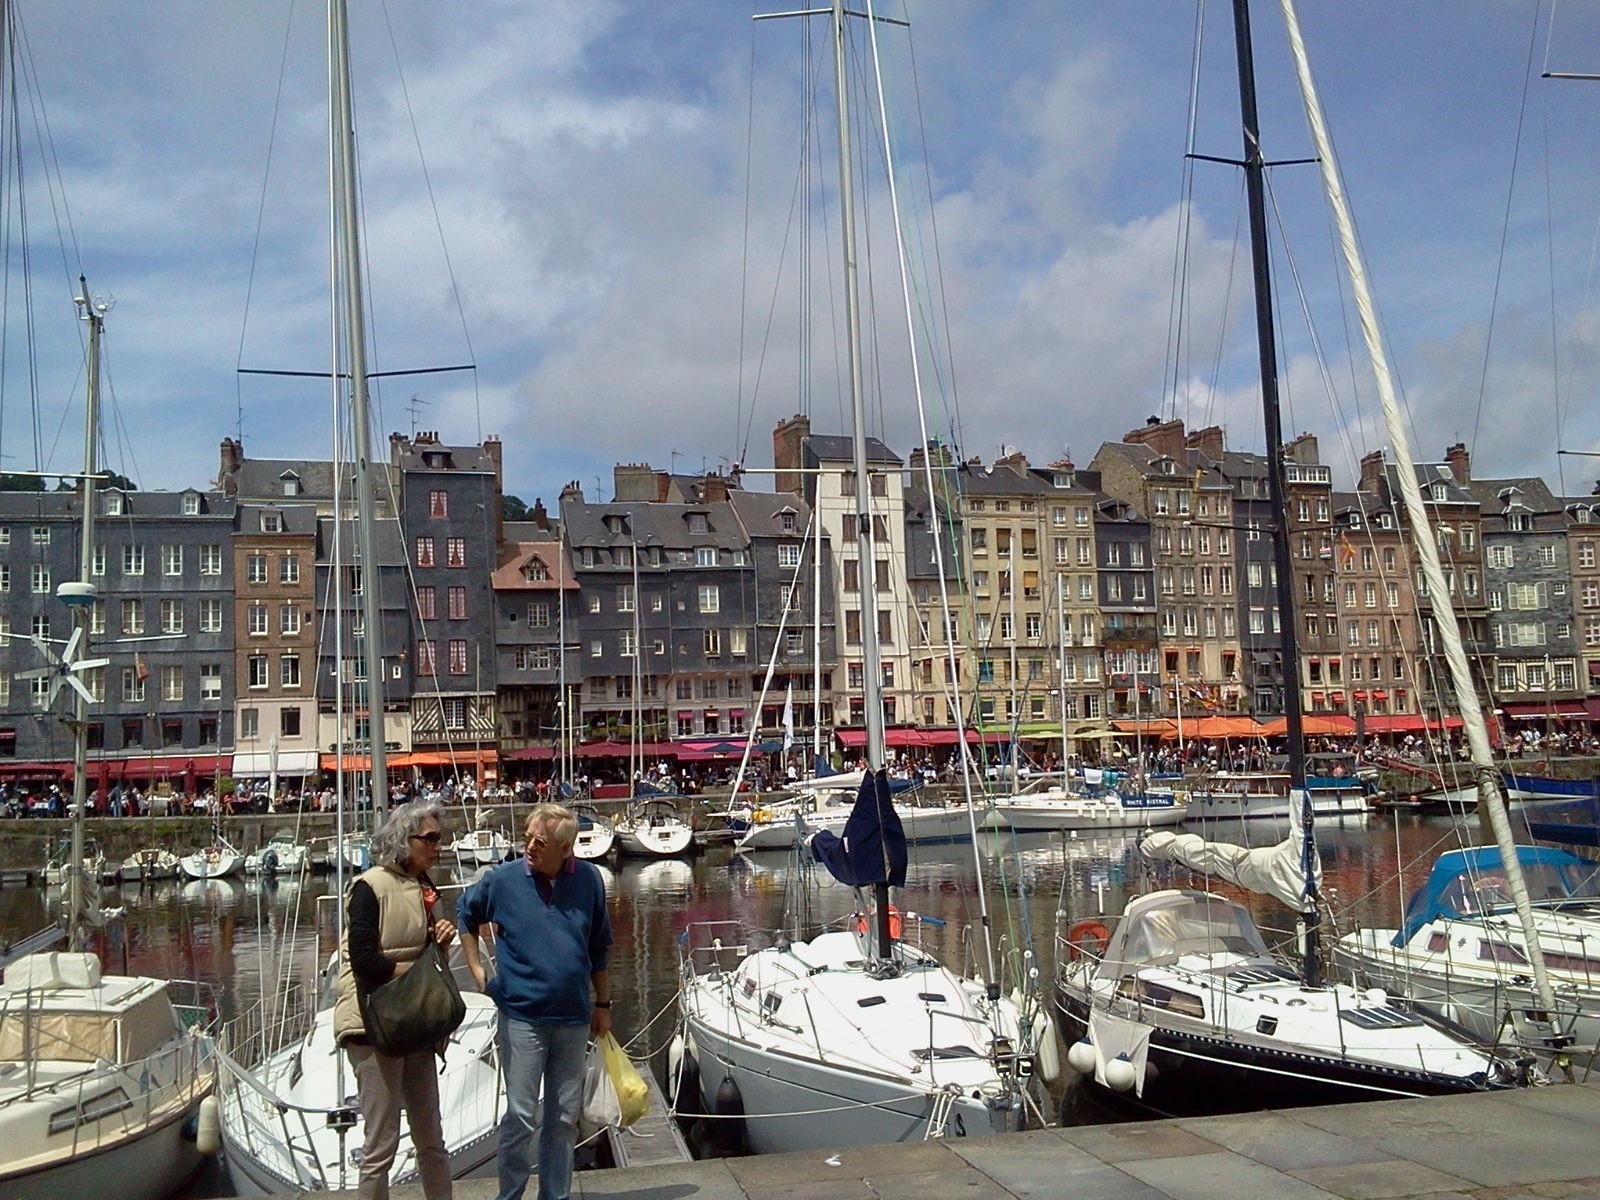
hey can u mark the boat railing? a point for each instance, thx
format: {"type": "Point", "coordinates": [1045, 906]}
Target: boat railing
{"type": "Point", "coordinates": [273, 1130]}
{"type": "Point", "coordinates": [708, 947]}
{"type": "Point", "coordinates": [267, 1026]}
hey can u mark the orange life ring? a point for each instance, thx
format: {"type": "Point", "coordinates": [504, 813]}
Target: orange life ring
{"type": "Point", "coordinates": [896, 924]}
{"type": "Point", "coordinates": [1087, 937]}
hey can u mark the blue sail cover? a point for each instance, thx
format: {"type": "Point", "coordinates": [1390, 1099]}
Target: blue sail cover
{"type": "Point", "coordinates": [1466, 884]}
{"type": "Point", "coordinates": [873, 847]}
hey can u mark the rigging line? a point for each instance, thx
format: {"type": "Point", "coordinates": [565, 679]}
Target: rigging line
{"type": "Point", "coordinates": [1177, 309]}
{"type": "Point", "coordinates": [1505, 221]}
{"type": "Point", "coordinates": [438, 223]}
{"type": "Point", "coordinates": [261, 216]}
{"type": "Point", "coordinates": [1550, 269]}
{"type": "Point", "coordinates": [54, 185]}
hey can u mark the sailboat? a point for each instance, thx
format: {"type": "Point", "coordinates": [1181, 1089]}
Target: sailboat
{"type": "Point", "coordinates": [857, 1035]}
{"type": "Point", "coordinates": [288, 1121]}
{"type": "Point", "coordinates": [102, 1077]}
{"type": "Point", "coordinates": [1181, 1009]}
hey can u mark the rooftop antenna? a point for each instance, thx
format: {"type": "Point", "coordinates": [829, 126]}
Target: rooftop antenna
{"type": "Point", "coordinates": [417, 403]}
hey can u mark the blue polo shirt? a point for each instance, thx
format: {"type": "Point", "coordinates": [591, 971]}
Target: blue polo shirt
{"type": "Point", "coordinates": [552, 936]}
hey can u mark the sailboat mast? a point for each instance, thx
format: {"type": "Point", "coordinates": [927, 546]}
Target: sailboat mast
{"type": "Point", "coordinates": [80, 612]}
{"type": "Point", "coordinates": [1267, 349]}
{"type": "Point", "coordinates": [347, 273]}
{"type": "Point", "coordinates": [1490, 797]}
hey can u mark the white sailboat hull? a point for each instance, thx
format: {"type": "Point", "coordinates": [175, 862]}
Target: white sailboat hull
{"type": "Point", "coordinates": [144, 866]}
{"type": "Point", "coordinates": [214, 862]}
{"type": "Point", "coordinates": [275, 1125]}
{"type": "Point", "coordinates": [924, 826]}
{"type": "Point", "coordinates": [1055, 810]}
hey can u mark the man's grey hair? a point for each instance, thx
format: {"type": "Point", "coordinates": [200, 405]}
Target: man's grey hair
{"type": "Point", "coordinates": [391, 845]}
{"type": "Point", "coordinates": [562, 822]}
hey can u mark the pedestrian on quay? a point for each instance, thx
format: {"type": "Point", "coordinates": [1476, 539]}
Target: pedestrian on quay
{"type": "Point", "coordinates": [552, 940]}
{"type": "Point", "coordinates": [390, 915]}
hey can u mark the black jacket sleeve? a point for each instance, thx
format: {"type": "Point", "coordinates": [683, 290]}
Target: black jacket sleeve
{"type": "Point", "coordinates": [369, 964]}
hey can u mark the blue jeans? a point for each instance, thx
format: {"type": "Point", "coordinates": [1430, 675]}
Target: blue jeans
{"type": "Point", "coordinates": [554, 1055]}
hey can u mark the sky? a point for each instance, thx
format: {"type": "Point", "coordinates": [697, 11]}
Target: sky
{"type": "Point", "coordinates": [612, 209]}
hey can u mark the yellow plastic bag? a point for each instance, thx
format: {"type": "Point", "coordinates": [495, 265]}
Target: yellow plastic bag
{"type": "Point", "coordinates": [633, 1094]}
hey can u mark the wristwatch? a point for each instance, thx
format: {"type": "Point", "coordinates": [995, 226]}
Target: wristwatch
{"type": "Point", "coordinates": [602, 1004]}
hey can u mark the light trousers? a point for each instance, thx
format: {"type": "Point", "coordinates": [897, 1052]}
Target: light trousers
{"type": "Point", "coordinates": [544, 1069]}
{"type": "Point", "coordinates": [386, 1084]}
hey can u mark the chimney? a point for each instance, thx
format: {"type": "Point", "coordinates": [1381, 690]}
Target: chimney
{"type": "Point", "coordinates": [397, 446]}
{"type": "Point", "coordinates": [1164, 437]}
{"type": "Point", "coordinates": [788, 445]}
{"type": "Point", "coordinates": [492, 451]}
{"type": "Point", "coordinates": [1015, 459]}
{"type": "Point", "coordinates": [538, 515]}
{"type": "Point", "coordinates": [714, 490]}
{"type": "Point", "coordinates": [572, 493]}
{"type": "Point", "coordinates": [232, 457]}
{"type": "Point", "coordinates": [1372, 473]}
{"type": "Point", "coordinates": [1210, 441]}
{"type": "Point", "coordinates": [635, 483]}
{"type": "Point", "coordinates": [1303, 451]}
{"type": "Point", "coordinates": [1460, 462]}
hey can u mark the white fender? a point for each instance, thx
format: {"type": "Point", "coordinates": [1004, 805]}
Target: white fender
{"type": "Point", "coordinates": [208, 1128]}
{"type": "Point", "coordinates": [1080, 1056]}
{"type": "Point", "coordinates": [1120, 1075]}
{"type": "Point", "coordinates": [1048, 1059]}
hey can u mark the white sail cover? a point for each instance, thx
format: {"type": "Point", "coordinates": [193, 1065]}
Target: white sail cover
{"type": "Point", "coordinates": [1276, 871]}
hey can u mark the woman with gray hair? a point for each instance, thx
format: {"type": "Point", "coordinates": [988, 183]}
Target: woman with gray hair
{"type": "Point", "coordinates": [389, 920]}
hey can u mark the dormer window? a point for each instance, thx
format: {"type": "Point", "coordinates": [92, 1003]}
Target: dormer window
{"type": "Point", "coordinates": [534, 571]}
{"type": "Point", "coordinates": [1438, 491]}
{"type": "Point", "coordinates": [191, 504]}
{"type": "Point", "coordinates": [616, 523]}
{"type": "Point", "coordinates": [289, 483]}
{"type": "Point", "coordinates": [698, 523]}
{"type": "Point", "coordinates": [1064, 479]}
{"type": "Point", "coordinates": [1166, 466]}
{"type": "Point", "coordinates": [271, 522]}
{"type": "Point", "coordinates": [114, 504]}
{"type": "Point", "coordinates": [439, 460]}
{"type": "Point", "coordinates": [787, 522]}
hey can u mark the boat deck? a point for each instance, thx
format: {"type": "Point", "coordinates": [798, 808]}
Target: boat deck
{"type": "Point", "coordinates": [1543, 1143]}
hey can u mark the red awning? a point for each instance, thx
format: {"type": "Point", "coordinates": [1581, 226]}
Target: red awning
{"type": "Point", "coordinates": [201, 766]}
{"type": "Point", "coordinates": [903, 738]}
{"type": "Point", "coordinates": [1406, 723]}
{"type": "Point", "coordinates": [527, 753]}
{"type": "Point", "coordinates": [39, 770]}
{"type": "Point", "coordinates": [443, 758]}
{"type": "Point", "coordinates": [1526, 709]}
{"type": "Point", "coordinates": [623, 750]}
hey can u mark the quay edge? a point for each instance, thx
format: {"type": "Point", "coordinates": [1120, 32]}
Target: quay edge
{"type": "Point", "coordinates": [1539, 1141]}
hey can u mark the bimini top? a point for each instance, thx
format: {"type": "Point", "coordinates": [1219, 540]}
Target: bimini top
{"type": "Point", "coordinates": [1471, 883]}
{"type": "Point", "coordinates": [1158, 929]}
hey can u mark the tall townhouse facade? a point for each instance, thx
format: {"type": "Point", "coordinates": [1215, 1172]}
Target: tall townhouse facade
{"type": "Point", "coordinates": [1170, 476]}
{"type": "Point", "coordinates": [938, 576]}
{"type": "Point", "coordinates": [275, 657]}
{"type": "Point", "coordinates": [340, 685]}
{"type": "Point", "coordinates": [1583, 552]}
{"type": "Point", "coordinates": [821, 470]}
{"type": "Point", "coordinates": [1529, 576]}
{"type": "Point", "coordinates": [1308, 489]}
{"type": "Point", "coordinates": [538, 629]}
{"type": "Point", "coordinates": [794, 626]}
{"type": "Point", "coordinates": [450, 500]}
{"type": "Point", "coordinates": [161, 616]}
{"type": "Point", "coordinates": [1077, 625]}
{"type": "Point", "coordinates": [1377, 668]}
{"type": "Point", "coordinates": [1132, 682]}
{"type": "Point", "coordinates": [669, 613]}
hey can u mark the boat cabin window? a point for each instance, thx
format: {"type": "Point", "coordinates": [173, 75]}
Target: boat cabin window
{"type": "Point", "coordinates": [1438, 943]}
{"type": "Point", "coordinates": [1159, 995]}
{"type": "Point", "coordinates": [1576, 963]}
{"type": "Point", "coordinates": [90, 1109]}
{"type": "Point", "coordinates": [1500, 952]}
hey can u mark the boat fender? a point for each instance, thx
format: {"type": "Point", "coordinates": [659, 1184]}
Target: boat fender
{"type": "Point", "coordinates": [1087, 938]}
{"type": "Point", "coordinates": [1120, 1075]}
{"type": "Point", "coordinates": [208, 1126]}
{"type": "Point", "coordinates": [269, 863]}
{"type": "Point", "coordinates": [683, 1078]}
{"type": "Point", "coordinates": [1047, 1057]}
{"type": "Point", "coordinates": [1080, 1056]}
{"type": "Point", "coordinates": [1375, 996]}
{"type": "Point", "coordinates": [728, 1131]}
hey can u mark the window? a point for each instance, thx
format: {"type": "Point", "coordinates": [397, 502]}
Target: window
{"type": "Point", "coordinates": [713, 642]}
{"type": "Point", "coordinates": [289, 722]}
{"type": "Point", "coordinates": [249, 723]}
{"type": "Point", "coordinates": [39, 577]}
{"type": "Point", "coordinates": [625, 600]}
{"type": "Point", "coordinates": [289, 619]}
{"type": "Point", "coordinates": [438, 503]}
{"type": "Point", "coordinates": [172, 616]}
{"type": "Point", "coordinates": [211, 615]}
{"type": "Point", "coordinates": [788, 556]}
{"type": "Point", "coordinates": [172, 683]}
{"type": "Point", "coordinates": [289, 670]}
{"type": "Point", "coordinates": [738, 641]}
{"type": "Point", "coordinates": [97, 617]}
{"type": "Point", "coordinates": [255, 621]}
{"type": "Point", "coordinates": [211, 681]}
{"type": "Point", "coordinates": [133, 560]}
{"type": "Point", "coordinates": [427, 604]}
{"type": "Point", "coordinates": [458, 656]}
{"type": "Point", "coordinates": [455, 713]}
{"type": "Point", "coordinates": [426, 662]}
{"type": "Point", "coordinates": [171, 560]}
{"type": "Point", "coordinates": [539, 615]}
{"type": "Point", "coordinates": [456, 602]}
{"type": "Point", "coordinates": [424, 552]}
{"type": "Point", "coordinates": [132, 616]}
{"type": "Point", "coordinates": [710, 596]}
{"type": "Point", "coordinates": [256, 568]}
{"type": "Point", "coordinates": [705, 556]}
{"type": "Point", "coordinates": [289, 569]}
{"type": "Point", "coordinates": [626, 644]}
{"type": "Point", "coordinates": [191, 505]}
{"type": "Point", "coordinates": [455, 552]}
{"type": "Point", "coordinates": [41, 535]}
{"type": "Point", "coordinates": [133, 683]}
{"type": "Point", "coordinates": [211, 560]}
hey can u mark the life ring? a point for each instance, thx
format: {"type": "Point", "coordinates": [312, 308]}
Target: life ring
{"type": "Point", "coordinates": [1087, 937]}
{"type": "Point", "coordinates": [896, 924]}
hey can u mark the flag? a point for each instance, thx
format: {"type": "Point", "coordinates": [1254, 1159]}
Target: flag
{"type": "Point", "coordinates": [141, 668]}
{"type": "Point", "coordinates": [788, 718]}
{"type": "Point", "coordinates": [1347, 552]}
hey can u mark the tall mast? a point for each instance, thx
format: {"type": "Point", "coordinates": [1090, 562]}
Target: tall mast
{"type": "Point", "coordinates": [1267, 348]}
{"type": "Point", "coordinates": [82, 601]}
{"type": "Point", "coordinates": [347, 275]}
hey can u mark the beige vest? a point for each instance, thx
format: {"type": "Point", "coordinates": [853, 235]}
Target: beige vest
{"type": "Point", "coordinates": [402, 934]}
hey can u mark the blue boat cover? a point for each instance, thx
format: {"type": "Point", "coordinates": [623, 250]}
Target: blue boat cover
{"type": "Point", "coordinates": [873, 846]}
{"type": "Point", "coordinates": [1467, 884]}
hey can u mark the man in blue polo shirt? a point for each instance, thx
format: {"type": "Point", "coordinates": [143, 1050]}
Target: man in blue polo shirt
{"type": "Point", "coordinates": [552, 938]}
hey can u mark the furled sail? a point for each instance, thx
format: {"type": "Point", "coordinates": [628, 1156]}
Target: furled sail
{"type": "Point", "coordinates": [872, 848]}
{"type": "Point", "coordinates": [1280, 871]}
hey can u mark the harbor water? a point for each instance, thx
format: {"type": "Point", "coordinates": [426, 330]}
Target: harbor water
{"type": "Point", "coordinates": [246, 936]}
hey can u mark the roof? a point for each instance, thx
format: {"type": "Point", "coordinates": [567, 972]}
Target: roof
{"type": "Point", "coordinates": [516, 559]}
{"type": "Point", "coordinates": [831, 448]}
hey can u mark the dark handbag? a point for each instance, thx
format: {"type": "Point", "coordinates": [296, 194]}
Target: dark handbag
{"type": "Point", "coordinates": [417, 1010]}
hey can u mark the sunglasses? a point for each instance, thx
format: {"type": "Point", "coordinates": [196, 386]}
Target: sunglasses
{"type": "Point", "coordinates": [538, 843]}
{"type": "Point", "coordinates": [432, 839]}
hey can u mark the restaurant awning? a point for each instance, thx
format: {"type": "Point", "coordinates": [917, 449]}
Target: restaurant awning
{"type": "Point", "coordinates": [907, 737]}
{"type": "Point", "coordinates": [1405, 723]}
{"type": "Point", "coordinates": [35, 770]}
{"type": "Point", "coordinates": [1538, 710]}
{"type": "Point", "coordinates": [197, 766]}
{"type": "Point", "coordinates": [530, 754]}
{"type": "Point", "coordinates": [444, 758]}
{"type": "Point", "coordinates": [257, 764]}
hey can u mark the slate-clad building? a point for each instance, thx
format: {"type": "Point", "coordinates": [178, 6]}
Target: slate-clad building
{"type": "Point", "coordinates": [538, 619]}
